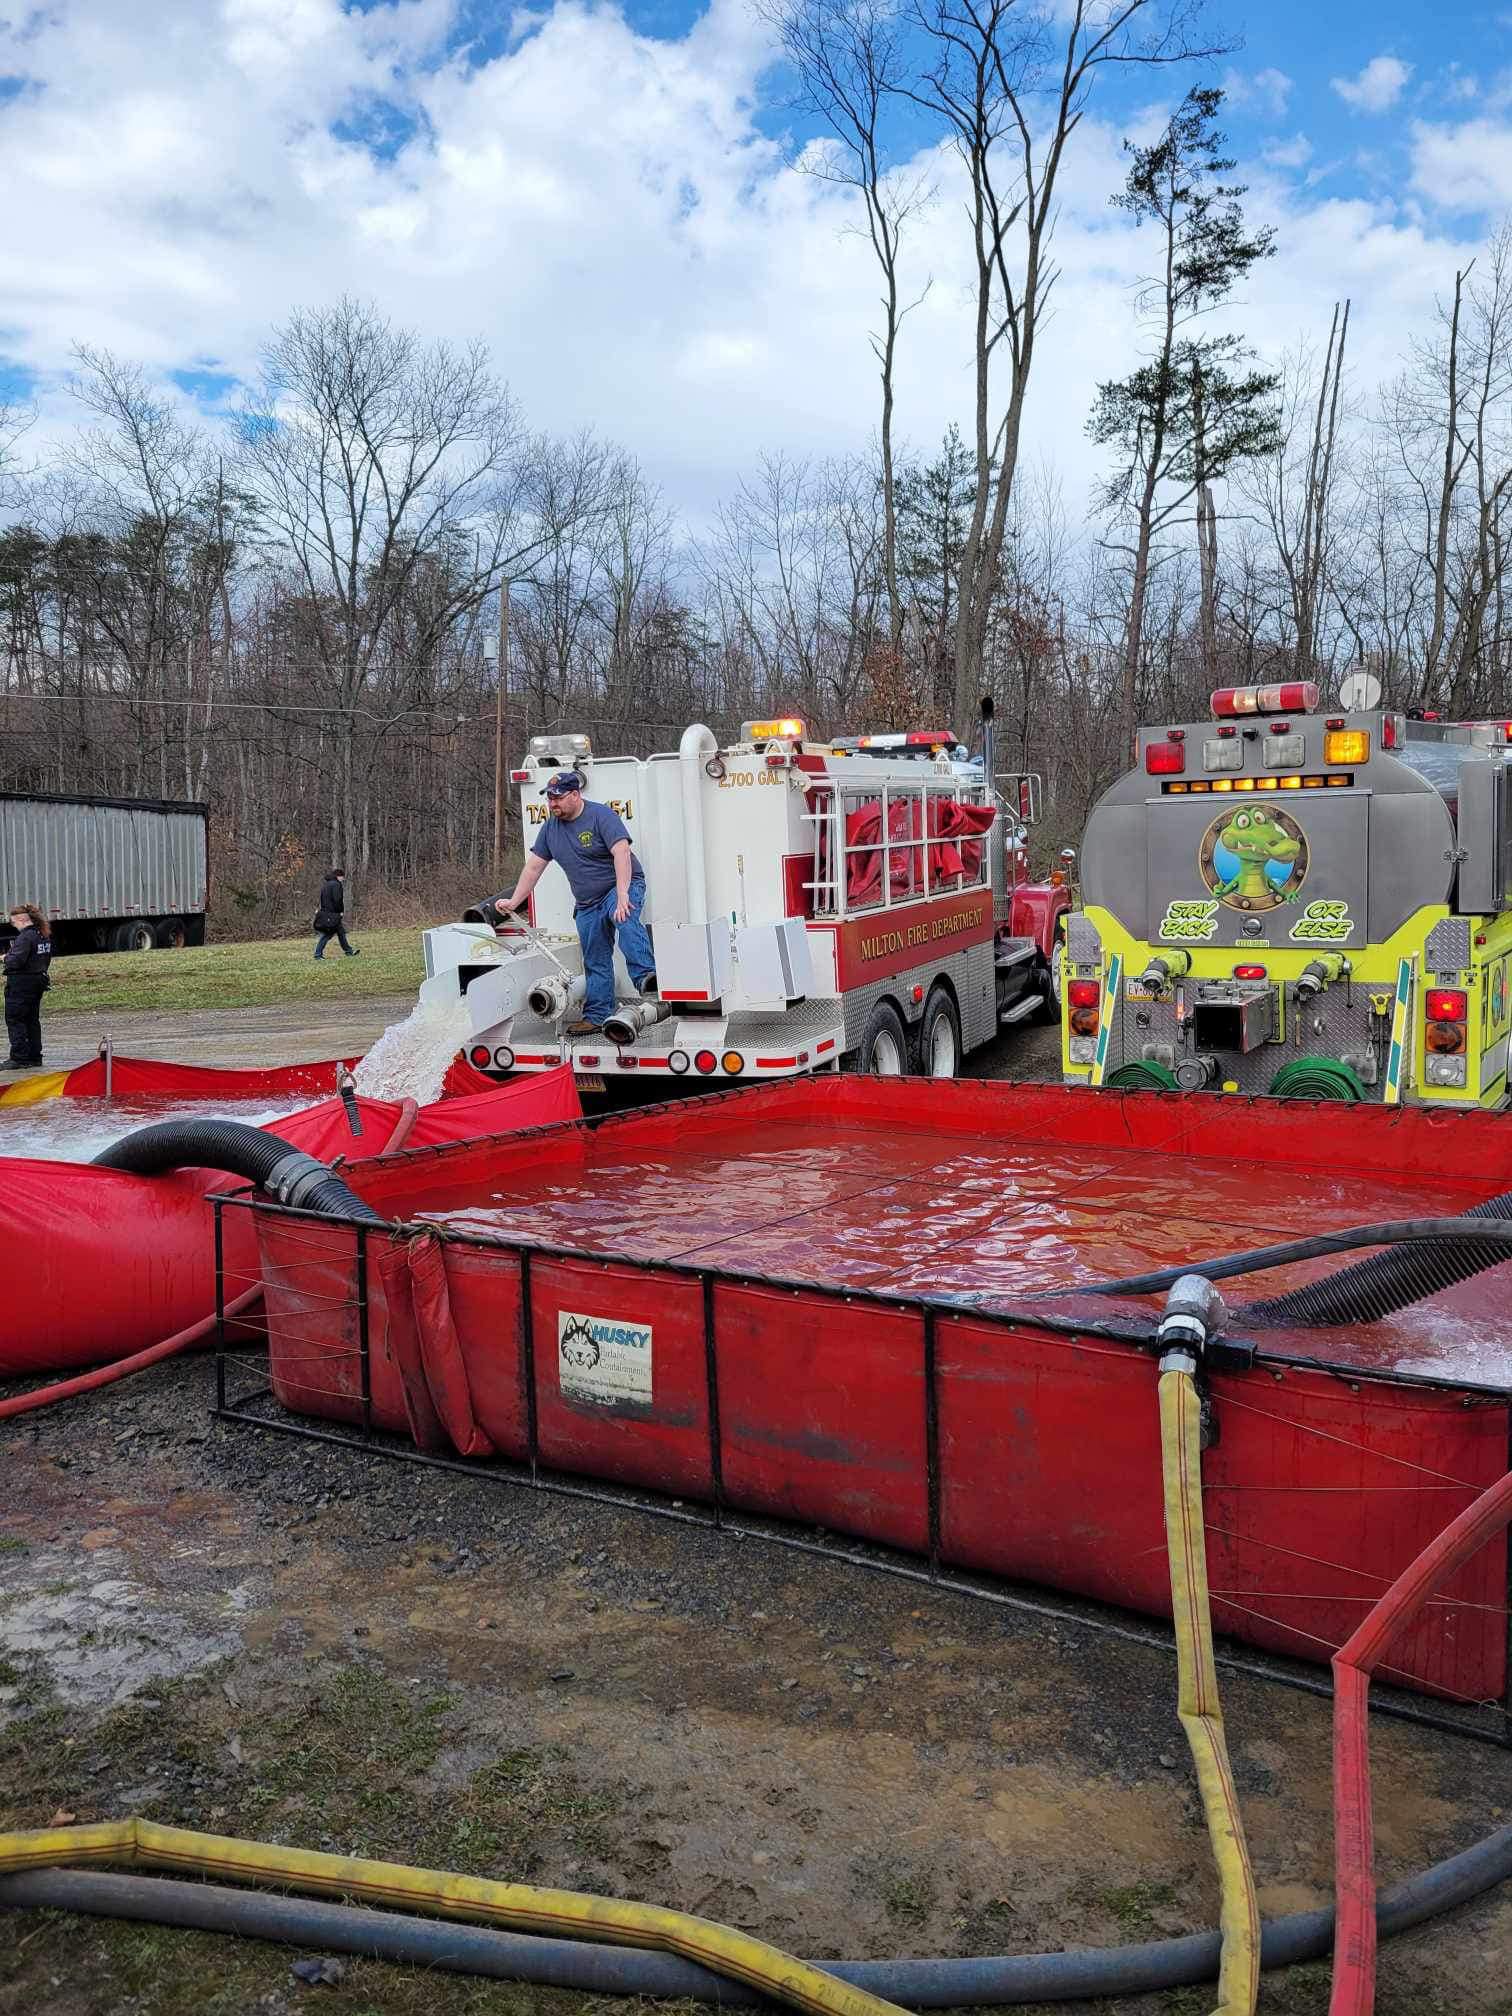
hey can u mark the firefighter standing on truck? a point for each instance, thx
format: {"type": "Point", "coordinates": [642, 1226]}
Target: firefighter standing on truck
{"type": "Point", "coordinates": [591, 843]}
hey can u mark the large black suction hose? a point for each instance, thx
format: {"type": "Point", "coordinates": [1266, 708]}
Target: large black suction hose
{"type": "Point", "coordinates": [1387, 1281]}
{"type": "Point", "coordinates": [286, 1173]}
{"type": "Point", "coordinates": [1001, 1980]}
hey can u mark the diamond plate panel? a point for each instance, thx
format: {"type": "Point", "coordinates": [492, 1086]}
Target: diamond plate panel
{"type": "Point", "coordinates": [1083, 946]}
{"type": "Point", "coordinates": [1448, 947]}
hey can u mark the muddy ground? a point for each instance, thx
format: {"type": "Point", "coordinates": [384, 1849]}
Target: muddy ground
{"type": "Point", "coordinates": [253, 1635]}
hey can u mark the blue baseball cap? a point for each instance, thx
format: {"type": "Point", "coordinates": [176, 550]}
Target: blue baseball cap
{"type": "Point", "coordinates": [563, 781]}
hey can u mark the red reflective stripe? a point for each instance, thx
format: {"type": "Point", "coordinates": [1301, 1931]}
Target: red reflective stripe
{"type": "Point", "coordinates": [775, 1063]}
{"type": "Point", "coordinates": [682, 994]}
{"type": "Point", "coordinates": [534, 1057]}
{"type": "Point", "coordinates": [827, 1044]}
{"type": "Point", "coordinates": [656, 1063]}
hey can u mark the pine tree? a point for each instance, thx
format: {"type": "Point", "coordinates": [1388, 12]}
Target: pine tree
{"type": "Point", "coordinates": [1186, 416]}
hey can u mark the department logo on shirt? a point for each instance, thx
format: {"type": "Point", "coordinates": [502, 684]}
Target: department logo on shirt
{"type": "Point", "coordinates": [585, 838]}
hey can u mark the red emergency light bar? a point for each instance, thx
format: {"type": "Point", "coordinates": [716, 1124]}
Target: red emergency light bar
{"type": "Point", "coordinates": [916, 738]}
{"type": "Point", "coordinates": [1295, 696]}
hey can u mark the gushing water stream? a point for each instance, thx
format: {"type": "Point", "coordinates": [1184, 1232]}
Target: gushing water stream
{"type": "Point", "coordinates": [411, 1058]}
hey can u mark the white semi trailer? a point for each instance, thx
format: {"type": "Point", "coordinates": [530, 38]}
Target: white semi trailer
{"type": "Point", "coordinates": [111, 874]}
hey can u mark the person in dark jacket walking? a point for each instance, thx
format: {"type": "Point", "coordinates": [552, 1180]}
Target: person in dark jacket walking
{"type": "Point", "coordinates": [27, 958]}
{"type": "Point", "coordinates": [328, 918]}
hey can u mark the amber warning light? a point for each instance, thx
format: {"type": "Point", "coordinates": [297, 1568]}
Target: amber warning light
{"type": "Point", "coordinates": [1294, 696]}
{"type": "Point", "coordinates": [788, 730]}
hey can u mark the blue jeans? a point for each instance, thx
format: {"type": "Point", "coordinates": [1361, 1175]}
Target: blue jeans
{"type": "Point", "coordinates": [596, 934]}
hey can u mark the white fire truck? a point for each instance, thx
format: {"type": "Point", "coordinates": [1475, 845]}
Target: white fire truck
{"type": "Point", "coordinates": [863, 903]}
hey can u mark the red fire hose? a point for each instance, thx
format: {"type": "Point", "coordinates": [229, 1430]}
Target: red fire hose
{"type": "Point", "coordinates": [181, 1340]}
{"type": "Point", "coordinates": [1354, 1662]}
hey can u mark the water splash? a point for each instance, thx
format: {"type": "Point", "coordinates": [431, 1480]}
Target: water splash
{"type": "Point", "coordinates": [411, 1058]}
{"type": "Point", "coordinates": [75, 1130]}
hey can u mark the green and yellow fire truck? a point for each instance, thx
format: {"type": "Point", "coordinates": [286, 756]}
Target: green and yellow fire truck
{"type": "Point", "coordinates": [1281, 900]}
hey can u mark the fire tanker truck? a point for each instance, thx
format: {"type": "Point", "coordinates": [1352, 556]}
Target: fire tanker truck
{"type": "Point", "coordinates": [1283, 901]}
{"type": "Point", "coordinates": [862, 903]}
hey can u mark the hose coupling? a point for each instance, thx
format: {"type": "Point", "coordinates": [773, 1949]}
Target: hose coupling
{"type": "Point", "coordinates": [1194, 1313]}
{"type": "Point", "coordinates": [1163, 969]}
{"type": "Point", "coordinates": [1320, 973]}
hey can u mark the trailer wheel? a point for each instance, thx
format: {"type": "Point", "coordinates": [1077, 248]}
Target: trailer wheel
{"type": "Point", "coordinates": [172, 934]}
{"type": "Point", "coordinates": [883, 1049]}
{"type": "Point", "coordinates": [940, 1037]}
{"type": "Point", "coordinates": [137, 936]}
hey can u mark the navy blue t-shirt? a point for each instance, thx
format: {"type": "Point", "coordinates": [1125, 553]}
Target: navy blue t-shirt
{"type": "Point", "coordinates": [582, 847]}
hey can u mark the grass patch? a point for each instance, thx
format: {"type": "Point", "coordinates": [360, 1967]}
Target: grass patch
{"type": "Point", "coordinates": [9, 1544]}
{"type": "Point", "coordinates": [261, 975]}
{"type": "Point", "coordinates": [526, 1811]}
{"type": "Point", "coordinates": [1131, 1905]}
{"type": "Point", "coordinates": [906, 1894]}
{"type": "Point", "coordinates": [346, 1759]}
{"type": "Point", "coordinates": [342, 1765]}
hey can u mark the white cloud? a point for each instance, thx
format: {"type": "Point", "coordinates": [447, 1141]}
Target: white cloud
{"type": "Point", "coordinates": [1378, 86]}
{"type": "Point", "coordinates": [1467, 167]}
{"type": "Point", "coordinates": [598, 203]}
{"type": "Point", "coordinates": [1268, 91]}
{"type": "Point", "coordinates": [1293, 153]}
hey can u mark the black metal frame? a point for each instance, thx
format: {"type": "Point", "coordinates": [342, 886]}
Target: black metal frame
{"type": "Point", "coordinates": [533, 1475]}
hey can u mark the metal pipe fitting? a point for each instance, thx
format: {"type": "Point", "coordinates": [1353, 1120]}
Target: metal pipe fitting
{"type": "Point", "coordinates": [626, 1023]}
{"type": "Point", "coordinates": [555, 996]}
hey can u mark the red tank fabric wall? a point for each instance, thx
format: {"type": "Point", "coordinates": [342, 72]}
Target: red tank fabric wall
{"type": "Point", "coordinates": [1048, 1455]}
{"type": "Point", "coordinates": [138, 1075]}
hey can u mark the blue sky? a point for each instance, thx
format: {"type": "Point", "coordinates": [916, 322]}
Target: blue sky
{"type": "Point", "coordinates": [609, 198]}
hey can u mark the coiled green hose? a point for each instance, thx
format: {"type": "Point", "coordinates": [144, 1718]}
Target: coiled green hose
{"type": "Point", "coordinates": [1317, 1078]}
{"type": "Point", "coordinates": [1141, 1076]}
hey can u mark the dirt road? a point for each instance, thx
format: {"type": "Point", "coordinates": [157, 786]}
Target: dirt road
{"type": "Point", "coordinates": [254, 1635]}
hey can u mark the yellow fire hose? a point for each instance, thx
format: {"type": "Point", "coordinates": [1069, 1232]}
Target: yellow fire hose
{"type": "Point", "coordinates": [521, 1907]}
{"type": "Point", "coordinates": [1198, 1705]}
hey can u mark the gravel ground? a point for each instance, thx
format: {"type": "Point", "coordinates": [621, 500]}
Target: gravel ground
{"type": "Point", "coordinates": [258, 1635]}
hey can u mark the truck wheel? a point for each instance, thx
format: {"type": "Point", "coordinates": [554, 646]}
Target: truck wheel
{"type": "Point", "coordinates": [940, 1037]}
{"type": "Point", "coordinates": [883, 1050]}
{"type": "Point", "coordinates": [1049, 977]}
{"type": "Point", "coordinates": [172, 934]}
{"type": "Point", "coordinates": [138, 936]}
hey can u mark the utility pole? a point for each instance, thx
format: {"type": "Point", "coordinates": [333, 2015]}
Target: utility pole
{"type": "Point", "coordinates": [503, 681]}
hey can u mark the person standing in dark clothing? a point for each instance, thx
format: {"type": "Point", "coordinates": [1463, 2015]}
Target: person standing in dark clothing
{"type": "Point", "coordinates": [27, 958]}
{"type": "Point", "coordinates": [328, 918]}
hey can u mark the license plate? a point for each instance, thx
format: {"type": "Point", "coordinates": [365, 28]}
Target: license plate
{"type": "Point", "coordinates": [588, 1082]}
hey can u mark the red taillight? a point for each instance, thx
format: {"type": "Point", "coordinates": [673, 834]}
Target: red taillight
{"type": "Point", "coordinates": [1084, 993]}
{"type": "Point", "coordinates": [480, 1055]}
{"type": "Point", "coordinates": [1164, 759]}
{"type": "Point", "coordinates": [1249, 972]}
{"type": "Point", "coordinates": [1445, 1004]}
{"type": "Point", "coordinates": [1389, 732]}
{"type": "Point", "coordinates": [1293, 696]}
{"type": "Point", "coordinates": [705, 1060]}
{"type": "Point", "coordinates": [1280, 727]}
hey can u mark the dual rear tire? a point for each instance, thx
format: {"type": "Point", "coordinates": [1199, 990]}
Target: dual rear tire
{"type": "Point", "coordinates": [887, 1048]}
{"type": "Point", "coordinates": [143, 934]}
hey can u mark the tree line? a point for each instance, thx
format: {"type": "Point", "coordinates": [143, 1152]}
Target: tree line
{"type": "Point", "coordinates": [296, 615]}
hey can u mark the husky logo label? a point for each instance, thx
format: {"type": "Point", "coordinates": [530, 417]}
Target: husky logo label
{"type": "Point", "coordinates": [603, 1359]}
